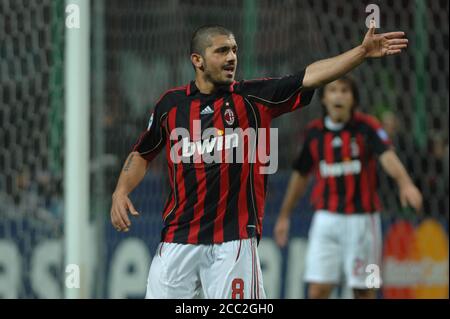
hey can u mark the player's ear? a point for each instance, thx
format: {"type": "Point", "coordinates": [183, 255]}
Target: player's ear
{"type": "Point", "coordinates": [197, 61]}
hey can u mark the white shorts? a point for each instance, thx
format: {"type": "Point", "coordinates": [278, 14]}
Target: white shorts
{"type": "Point", "coordinates": [342, 244]}
{"type": "Point", "coordinates": [230, 270]}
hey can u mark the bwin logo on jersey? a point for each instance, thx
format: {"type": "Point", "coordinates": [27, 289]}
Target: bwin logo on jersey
{"type": "Point", "coordinates": [340, 169]}
{"type": "Point", "coordinates": [219, 143]}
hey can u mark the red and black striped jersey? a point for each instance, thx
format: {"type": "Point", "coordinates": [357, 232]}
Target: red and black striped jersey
{"type": "Point", "coordinates": [218, 201]}
{"type": "Point", "coordinates": [344, 164]}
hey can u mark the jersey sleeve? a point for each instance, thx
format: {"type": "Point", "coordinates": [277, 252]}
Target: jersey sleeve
{"type": "Point", "coordinates": [304, 163]}
{"type": "Point", "coordinates": [377, 137]}
{"type": "Point", "coordinates": [153, 139]}
{"type": "Point", "coordinates": [279, 95]}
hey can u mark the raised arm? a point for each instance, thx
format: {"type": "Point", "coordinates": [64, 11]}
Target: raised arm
{"type": "Point", "coordinates": [132, 174]}
{"type": "Point", "coordinates": [374, 45]}
{"type": "Point", "coordinates": [409, 194]}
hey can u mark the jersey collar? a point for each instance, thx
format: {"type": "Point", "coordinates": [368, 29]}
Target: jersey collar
{"type": "Point", "coordinates": [192, 89]}
{"type": "Point", "coordinates": [332, 126]}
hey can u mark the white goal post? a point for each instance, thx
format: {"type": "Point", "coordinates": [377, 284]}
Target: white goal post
{"type": "Point", "coordinates": [76, 170]}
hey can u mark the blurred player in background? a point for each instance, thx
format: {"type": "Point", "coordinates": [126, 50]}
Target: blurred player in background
{"type": "Point", "coordinates": [213, 216]}
{"type": "Point", "coordinates": [340, 150]}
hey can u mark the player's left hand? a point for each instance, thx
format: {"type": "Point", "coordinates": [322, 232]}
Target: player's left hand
{"type": "Point", "coordinates": [281, 231]}
{"type": "Point", "coordinates": [379, 45]}
{"type": "Point", "coordinates": [411, 196]}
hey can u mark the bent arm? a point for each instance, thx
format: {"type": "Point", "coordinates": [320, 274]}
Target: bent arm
{"type": "Point", "coordinates": [132, 173]}
{"type": "Point", "coordinates": [409, 194]}
{"type": "Point", "coordinates": [296, 189]}
{"type": "Point", "coordinates": [394, 168]}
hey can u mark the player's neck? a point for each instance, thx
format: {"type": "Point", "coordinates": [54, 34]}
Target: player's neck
{"type": "Point", "coordinates": [342, 119]}
{"type": "Point", "coordinates": [335, 124]}
{"type": "Point", "coordinates": [204, 86]}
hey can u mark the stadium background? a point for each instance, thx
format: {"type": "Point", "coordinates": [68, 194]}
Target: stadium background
{"type": "Point", "coordinates": [139, 48]}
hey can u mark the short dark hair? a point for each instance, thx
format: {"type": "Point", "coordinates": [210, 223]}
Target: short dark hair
{"type": "Point", "coordinates": [350, 81]}
{"type": "Point", "coordinates": [201, 39]}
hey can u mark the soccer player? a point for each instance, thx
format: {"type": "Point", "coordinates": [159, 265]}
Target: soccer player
{"type": "Point", "coordinates": [340, 150]}
{"type": "Point", "coordinates": [213, 216]}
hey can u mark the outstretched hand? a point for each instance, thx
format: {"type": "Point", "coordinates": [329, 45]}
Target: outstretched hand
{"type": "Point", "coordinates": [379, 45]}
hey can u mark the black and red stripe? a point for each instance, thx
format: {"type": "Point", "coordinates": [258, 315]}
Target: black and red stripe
{"type": "Point", "coordinates": [349, 179]}
{"type": "Point", "coordinates": [221, 204]}
{"type": "Point", "coordinates": [199, 169]}
{"type": "Point", "coordinates": [346, 192]}
{"type": "Point", "coordinates": [231, 220]}
{"type": "Point", "coordinates": [218, 202]}
{"type": "Point", "coordinates": [243, 214]}
{"type": "Point", "coordinates": [213, 180]}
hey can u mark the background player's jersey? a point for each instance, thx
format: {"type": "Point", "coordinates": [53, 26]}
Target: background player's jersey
{"type": "Point", "coordinates": [344, 164]}
{"type": "Point", "coordinates": [217, 202]}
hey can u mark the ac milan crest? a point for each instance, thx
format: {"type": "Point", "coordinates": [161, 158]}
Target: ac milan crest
{"type": "Point", "coordinates": [229, 116]}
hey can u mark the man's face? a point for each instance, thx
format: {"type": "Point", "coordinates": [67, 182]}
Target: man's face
{"type": "Point", "coordinates": [338, 100]}
{"type": "Point", "coordinates": [220, 60]}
